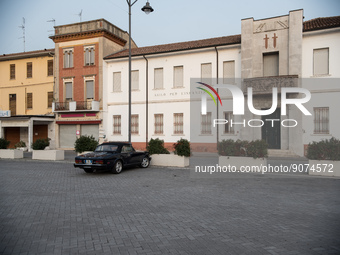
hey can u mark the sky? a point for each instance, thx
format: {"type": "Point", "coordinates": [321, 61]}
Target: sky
{"type": "Point", "coordinates": [172, 20]}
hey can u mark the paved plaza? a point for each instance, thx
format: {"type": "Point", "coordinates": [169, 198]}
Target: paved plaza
{"type": "Point", "coordinates": [53, 208]}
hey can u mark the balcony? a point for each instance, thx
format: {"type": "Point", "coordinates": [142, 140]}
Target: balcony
{"type": "Point", "coordinates": [265, 85]}
{"type": "Point", "coordinates": [76, 106]}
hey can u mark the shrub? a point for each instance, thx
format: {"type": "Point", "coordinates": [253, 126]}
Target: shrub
{"type": "Point", "coordinates": [40, 144]}
{"type": "Point", "coordinates": [182, 148]}
{"type": "Point", "coordinates": [20, 144]}
{"type": "Point", "coordinates": [4, 143]}
{"type": "Point", "coordinates": [156, 146]}
{"type": "Point", "coordinates": [85, 143]}
{"type": "Point", "coordinates": [324, 150]}
{"type": "Point", "coordinates": [255, 149]}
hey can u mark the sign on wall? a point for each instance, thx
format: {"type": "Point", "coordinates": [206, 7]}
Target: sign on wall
{"type": "Point", "coordinates": [5, 113]}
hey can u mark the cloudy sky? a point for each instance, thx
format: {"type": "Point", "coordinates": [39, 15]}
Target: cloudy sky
{"type": "Point", "coordinates": [172, 20]}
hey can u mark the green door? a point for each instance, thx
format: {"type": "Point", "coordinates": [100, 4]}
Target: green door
{"type": "Point", "coordinates": [271, 131]}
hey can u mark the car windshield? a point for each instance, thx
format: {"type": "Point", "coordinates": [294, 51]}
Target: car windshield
{"type": "Point", "coordinates": [106, 147]}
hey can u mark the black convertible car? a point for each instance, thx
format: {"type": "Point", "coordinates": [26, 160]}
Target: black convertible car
{"type": "Point", "coordinates": [112, 156]}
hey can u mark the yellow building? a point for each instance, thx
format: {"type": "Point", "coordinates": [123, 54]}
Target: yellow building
{"type": "Point", "coordinates": [26, 96]}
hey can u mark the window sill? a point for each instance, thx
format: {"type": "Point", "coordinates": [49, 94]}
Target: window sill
{"type": "Point", "coordinates": [177, 134]}
{"type": "Point", "coordinates": [159, 89]}
{"type": "Point", "coordinates": [205, 134]}
{"type": "Point", "coordinates": [229, 134]}
{"type": "Point", "coordinates": [116, 91]}
{"type": "Point", "coordinates": [320, 75]}
{"type": "Point", "coordinates": [158, 135]}
{"type": "Point", "coordinates": [319, 134]}
{"type": "Point", "coordinates": [178, 87]}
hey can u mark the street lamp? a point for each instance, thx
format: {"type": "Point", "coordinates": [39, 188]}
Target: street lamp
{"type": "Point", "coordinates": [147, 9]}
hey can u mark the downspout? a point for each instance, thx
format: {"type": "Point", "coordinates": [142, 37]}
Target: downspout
{"type": "Point", "coordinates": [217, 108]}
{"type": "Point", "coordinates": [146, 102]}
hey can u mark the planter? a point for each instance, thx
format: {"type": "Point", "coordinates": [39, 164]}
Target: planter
{"type": "Point", "coordinates": [324, 168]}
{"type": "Point", "coordinates": [22, 148]}
{"type": "Point", "coordinates": [12, 154]}
{"type": "Point", "coordinates": [169, 160]}
{"type": "Point", "coordinates": [243, 164]}
{"type": "Point", "coordinates": [48, 154]}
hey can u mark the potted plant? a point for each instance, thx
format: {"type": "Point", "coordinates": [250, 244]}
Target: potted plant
{"type": "Point", "coordinates": [20, 146]}
{"type": "Point", "coordinates": [324, 157]}
{"type": "Point", "coordinates": [85, 144]}
{"type": "Point", "coordinates": [237, 154]}
{"type": "Point", "coordinates": [8, 153]}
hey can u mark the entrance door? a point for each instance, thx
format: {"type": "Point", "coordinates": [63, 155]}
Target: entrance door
{"type": "Point", "coordinates": [12, 134]}
{"type": "Point", "coordinates": [13, 104]}
{"type": "Point", "coordinates": [40, 132]}
{"type": "Point", "coordinates": [271, 130]}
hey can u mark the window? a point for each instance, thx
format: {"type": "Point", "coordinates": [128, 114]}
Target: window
{"type": "Point", "coordinates": [158, 78]}
{"type": "Point", "coordinates": [29, 69]}
{"type": "Point", "coordinates": [117, 124]}
{"type": "Point", "coordinates": [49, 67]}
{"type": "Point", "coordinates": [206, 123]}
{"type": "Point", "coordinates": [206, 73]}
{"type": "Point", "coordinates": [321, 120]}
{"type": "Point", "coordinates": [321, 61]}
{"type": "Point", "coordinates": [68, 58]}
{"type": "Point", "coordinates": [271, 64]}
{"type": "Point", "coordinates": [178, 123]}
{"type": "Point", "coordinates": [158, 123]}
{"type": "Point", "coordinates": [12, 71]}
{"type": "Point", "coordinates": [29, 100]}
{"type": "Point", "coordinates": [127, 149]}
{"type": "Point", "coordinates": [178, 76]}
{"type": "Point", "coordinates": [135, 80]}
{"type": "Point", "coordinates": [229, 72]}
{"type": "Point", "coordinates": [117, 79]}
{"type": "Point", "coordinates": [49, 99]}
{"type": "Point", "coordinates": [89, 55]}
{"type": "Point", "coordinates": [89, 89]}
{"type": "Point", "coordinates": [134, 124]}
{"type": "Point", "coordinates": [228, 129]}
{"type": "Point", "coordinates": [69, 91]}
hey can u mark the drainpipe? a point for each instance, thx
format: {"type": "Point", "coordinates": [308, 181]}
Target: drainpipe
{"type": "Point", "coordinates": [217, 108]}
{"type": "Point", "coordinates": [146, 102]}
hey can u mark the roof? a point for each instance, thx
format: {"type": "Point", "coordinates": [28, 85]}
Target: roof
{"type": "Point", "coordinates": [116, 143]}
{"type": "Point", "coordinates": [28, 54]}
{"type": "Point", "coordinates": [190, 45]}
{"type": "Point", "coordinates": [321, 23]}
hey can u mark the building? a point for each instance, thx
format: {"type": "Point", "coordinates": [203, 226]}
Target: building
{"type": "Point", "coordinates": [80, 49]}
{"type": "Point", "coordinates": [26, 96]}
{"type": "Point", "coordinates": [275, 53]}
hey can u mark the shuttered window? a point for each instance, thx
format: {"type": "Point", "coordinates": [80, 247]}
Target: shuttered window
{"type": "Point", "coordinates": [69, 93]}
{"type": "Point", "coordinates": [206, 123]}
{"type": "Point", "coordinates": [134, 124]}
{"type": "Point", "coordinates": [49, 99]}
{"type": "Point", "coordinates": [89, 55]}
{"type": "Point", "coordinates": [321, 120]}
{"type": "Point", "coordinates": [321, 61]}
{"type": "Point", "coordinates": [206, 73]}
{"type": "Point", "coordinates": [228, 129]}
{"type": "Point", "coordinates": [117, 82]}
{"type": "Point", "coordinates": [29, 70]}
{"type": "Point", "coordinates": [12, 71]}
{"type": "Point", "coordinates": [49, 67]}
{"type": "Point", "coordinates": [89, 89]}
{"type": "Point", "coordinates": [117, 124]}
{"type": "Point", "coordinates": [271, 64]}
{"type": "Point", "coordinates": [158, 123]}
{"type": "Point", "coordinates": [178, 123]}
{"type": "Point", "coordinates": [178, 77]}
{"type": "Point", "coordinates": [229, 72]}
{"type": "Point", "coordinates": [158, 78]}
{"type": "Point", "coordinates": [68, 58]}
{"type": "Point", "coordinates": [29, 100]}
{"type": "Point", "coordinates": [135, 80]}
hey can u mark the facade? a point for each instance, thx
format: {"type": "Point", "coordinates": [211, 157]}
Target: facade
{"type": "Point", "coordinates": [78, 105]}
{"type": "Point", "coordinates": [279, 52]}
{"type": "Point", "coordinates": [26, 96]}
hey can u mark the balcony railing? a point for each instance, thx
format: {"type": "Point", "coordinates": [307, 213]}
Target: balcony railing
{"type": "Point", "coordinates": [75, 106]}
{"type": "Point", "coordinates": [265, 85]}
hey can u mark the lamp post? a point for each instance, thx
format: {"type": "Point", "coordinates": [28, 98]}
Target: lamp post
{"type": "Point", "coordinates": [147, 9]}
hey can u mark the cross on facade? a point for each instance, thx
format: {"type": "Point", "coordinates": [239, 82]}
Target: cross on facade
{"type": "Point", "coordinates": [266, 41]}
{"type": "Point", "coordinates": [274, 40]}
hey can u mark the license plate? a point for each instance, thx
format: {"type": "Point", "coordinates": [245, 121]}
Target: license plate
{"type": "Point", "coordinates": [88, 162]}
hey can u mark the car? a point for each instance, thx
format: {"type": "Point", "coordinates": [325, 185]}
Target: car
{"type": "Point", "coordinates": [112, 156]}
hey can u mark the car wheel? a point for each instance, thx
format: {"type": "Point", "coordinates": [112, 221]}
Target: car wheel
{"type": "Point", "coordinates": [88, 171]}
{"type": "Point", "coordinates": [145, 162]}
{"type": "Point", "coordinates": [118, 167]}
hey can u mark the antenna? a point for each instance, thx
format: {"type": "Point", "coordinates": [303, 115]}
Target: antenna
{"type": "Point", "coordinates": [80, 14]}
{"type": "Point", "coordinates": [52, 20]}
{"type": "Point", "coordinates": [23, 32]}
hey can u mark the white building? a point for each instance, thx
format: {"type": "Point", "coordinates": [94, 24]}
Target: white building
{"type": "Point", "coordinates": [273, 52]}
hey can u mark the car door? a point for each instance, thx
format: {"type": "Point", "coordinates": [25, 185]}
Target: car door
{"type": "Point", "coordinates": [126, 154]}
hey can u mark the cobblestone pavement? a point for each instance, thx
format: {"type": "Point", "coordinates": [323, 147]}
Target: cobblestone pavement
{"type": "Point", "coordinates": [53, 208]}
